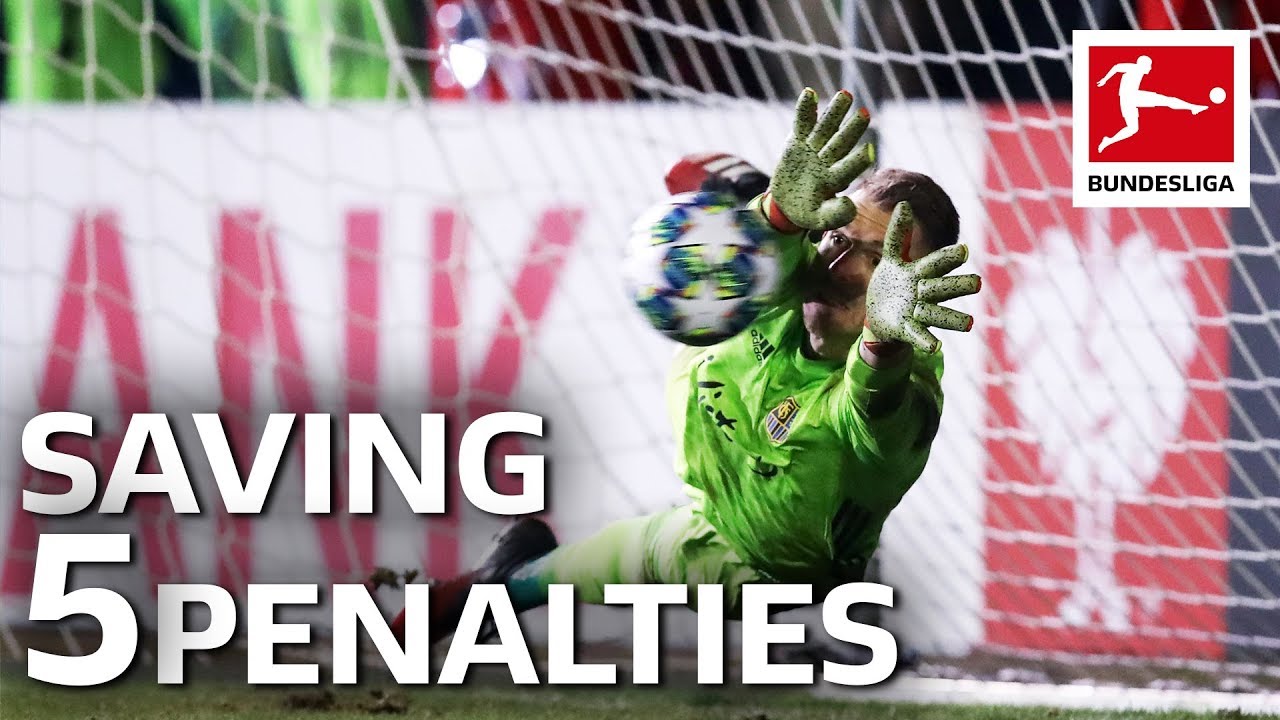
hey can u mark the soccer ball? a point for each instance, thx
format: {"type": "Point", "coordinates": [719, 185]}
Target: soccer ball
{"type": "Point", "coordinates": [700, 267]}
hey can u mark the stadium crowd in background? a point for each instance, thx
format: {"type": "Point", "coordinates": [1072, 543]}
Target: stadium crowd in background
{"type": "Point", "coordinates": [586, 49]}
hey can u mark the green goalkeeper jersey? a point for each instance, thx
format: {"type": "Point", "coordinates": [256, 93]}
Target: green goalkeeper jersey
{"type": "Point", "coordinates": [797, 462]}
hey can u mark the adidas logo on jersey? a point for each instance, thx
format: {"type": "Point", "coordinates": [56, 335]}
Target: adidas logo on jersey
{"type": "Point", "coordinates": [761, 346]}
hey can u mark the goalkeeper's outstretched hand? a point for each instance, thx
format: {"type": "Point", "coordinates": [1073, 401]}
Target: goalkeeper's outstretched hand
{"type": "Point", "coordinates": [903, 297]}
{"type": "Point", "coordinates": [820, 162]}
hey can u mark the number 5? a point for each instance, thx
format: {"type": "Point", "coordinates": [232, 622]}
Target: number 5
{"type": "Point", "coordinates": [50, 601]}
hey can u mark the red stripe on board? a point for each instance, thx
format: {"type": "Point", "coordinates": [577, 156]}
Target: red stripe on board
{"type": "Point", "coordinates": [96, 280]}
{"type": "Point", "coordinates": [253, 310]}
{"type": "Point", "coordinates": [447, 279]}
{"type": "Point", "coordinates": [349, 542]}
{"type": "Point", "coordinates": [496, 379]}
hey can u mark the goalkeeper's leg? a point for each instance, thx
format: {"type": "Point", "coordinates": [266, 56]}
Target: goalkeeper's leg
{"type": "Point", "coordinates": [675, 546]}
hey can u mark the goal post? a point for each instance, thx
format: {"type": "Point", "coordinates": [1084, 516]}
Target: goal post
{"type": "Point", "coordinates": [256, 206]}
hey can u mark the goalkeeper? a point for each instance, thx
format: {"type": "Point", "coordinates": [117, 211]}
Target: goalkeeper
{"type": "Point", "coordinates": [797, 437]}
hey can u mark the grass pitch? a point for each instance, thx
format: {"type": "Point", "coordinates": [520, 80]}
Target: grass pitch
{"type": "Point", "coordinates": [25, 699]}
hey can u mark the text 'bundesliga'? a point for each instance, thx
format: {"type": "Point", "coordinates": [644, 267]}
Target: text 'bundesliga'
{"type": "Point", "coordinates": [488, 611]}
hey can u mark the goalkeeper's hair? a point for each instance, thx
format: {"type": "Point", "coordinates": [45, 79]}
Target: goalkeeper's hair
{"type": "Point", "coordinates": [935, 213]}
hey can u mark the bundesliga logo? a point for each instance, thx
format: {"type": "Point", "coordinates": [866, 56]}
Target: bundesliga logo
{"type": "Point", "coordinates": [1160, 118]}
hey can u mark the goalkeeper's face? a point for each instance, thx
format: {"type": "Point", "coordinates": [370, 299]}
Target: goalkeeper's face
{"type": "Point", "coordinates": [836, 289]}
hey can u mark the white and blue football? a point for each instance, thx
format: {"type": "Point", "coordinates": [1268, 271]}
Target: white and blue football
{"type": "Point", "coordinates": [701, 267]}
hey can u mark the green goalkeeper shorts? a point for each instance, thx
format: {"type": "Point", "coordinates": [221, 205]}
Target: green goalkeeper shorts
{"type": "Point", "coordinates": [676, 546]}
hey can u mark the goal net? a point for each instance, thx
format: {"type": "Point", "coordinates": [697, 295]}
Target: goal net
{"type": "Point", "coordinates": [256, 206]}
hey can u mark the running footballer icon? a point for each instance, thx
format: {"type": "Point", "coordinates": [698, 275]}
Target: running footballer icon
{"type": "Point", "coordinates": [1133, 98]}
{"type": "Point", "coordinates": [842, 412]}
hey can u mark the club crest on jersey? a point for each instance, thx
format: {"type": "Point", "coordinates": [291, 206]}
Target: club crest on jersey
{"type": "Point", "coordinates": [779, 421]}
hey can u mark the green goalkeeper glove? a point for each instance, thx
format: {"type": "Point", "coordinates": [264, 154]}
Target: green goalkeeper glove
{"type": "Point", "coordinates": [819, 162]}
{"type": "Point", "coordinates": [903, 297]}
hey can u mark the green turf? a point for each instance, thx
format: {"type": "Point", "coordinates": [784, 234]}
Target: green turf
{"type": "Point", "coordinates": [24, 699]}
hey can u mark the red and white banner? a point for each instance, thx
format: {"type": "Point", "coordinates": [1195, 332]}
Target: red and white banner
{"type": "Point", "coordinates": [1106, 524]}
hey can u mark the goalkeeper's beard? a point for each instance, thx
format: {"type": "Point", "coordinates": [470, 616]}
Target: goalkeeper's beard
{"type": "Point", "coordinates": [833, 324]}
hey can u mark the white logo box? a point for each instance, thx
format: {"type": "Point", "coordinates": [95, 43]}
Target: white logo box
{"type": "Point", "coordinates": [1081, 167]}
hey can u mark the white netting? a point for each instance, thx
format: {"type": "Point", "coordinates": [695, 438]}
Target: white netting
{"type": "Point", "coordinates": [348, 206]}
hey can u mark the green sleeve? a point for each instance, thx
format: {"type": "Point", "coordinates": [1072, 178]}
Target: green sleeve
{"type": "Point", "coordinates": [794, 253]}
{"type": "Point", "coordinates": [891, 415]}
